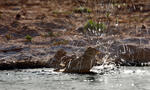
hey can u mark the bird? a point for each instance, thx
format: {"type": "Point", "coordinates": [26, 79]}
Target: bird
{"type": "Point", "coordinates": [84, 63]}
{"type": "Point", "coordinates": [56, 60]}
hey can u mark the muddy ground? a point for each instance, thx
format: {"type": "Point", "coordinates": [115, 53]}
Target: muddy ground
{"type": "Point", "coordinates": [34, 30]}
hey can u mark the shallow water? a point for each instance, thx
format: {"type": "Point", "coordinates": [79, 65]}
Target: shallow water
{"type": "Point", "coordinates": [125, 78]}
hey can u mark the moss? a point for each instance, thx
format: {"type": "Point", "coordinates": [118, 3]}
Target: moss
{"type": "Point", "coordinates": [82, 10]}
{"type": "Point", "coordinates": [28, 38]}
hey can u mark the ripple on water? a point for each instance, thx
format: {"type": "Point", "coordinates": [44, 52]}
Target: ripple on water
{"type": "Point", "coordinates": [124, 78]}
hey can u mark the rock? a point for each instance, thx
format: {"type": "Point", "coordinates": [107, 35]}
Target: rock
{"type": "Point", "coordinates": [79, 43]}
{"type": "Point", "coordinates": [51, 25]}
{"type": "Point", "coordinates": [84, 63]}
{"type": "Point", "coordinates": [18, 16]}
{"type": "Point", "coordinates": [10, 48]}
{"type": "Point", "coordinates": [3, 29]}
{"type": "Point", "coordinates": [80, 29]}
{"type": "Point", "coordinates": [21, 61]}
{"type": "Point", "coordinates": [136, 41]}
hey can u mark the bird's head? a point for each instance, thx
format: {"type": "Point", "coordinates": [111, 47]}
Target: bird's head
{"type": "Point", "coordinates": [91, 51]}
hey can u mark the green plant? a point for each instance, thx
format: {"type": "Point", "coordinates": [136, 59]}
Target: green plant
{"type": "Point", "coordinates": [28, 37]}
{"type": "Point", "coordinates": [82, 10]}
{"type": "Point", "coordinates": [94, 26]}
{"type": "Point", "coordinates": [107, 15]}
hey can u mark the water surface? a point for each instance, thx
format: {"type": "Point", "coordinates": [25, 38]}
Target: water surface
{"type": "Point", "coordinates": [125, 78]}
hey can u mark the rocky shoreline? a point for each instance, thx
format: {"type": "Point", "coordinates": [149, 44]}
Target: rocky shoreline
{"type": "Point", "coordinates": [123, 53]}
{"type": "Point", "coordinates": [32, 31]}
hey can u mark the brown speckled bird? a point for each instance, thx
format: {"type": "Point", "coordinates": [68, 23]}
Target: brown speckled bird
{"type": "Point", "coordinates": [84, 63]}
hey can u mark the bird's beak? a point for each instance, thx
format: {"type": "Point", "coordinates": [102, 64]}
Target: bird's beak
{"type": "Point", "coordinates": [98, 52]}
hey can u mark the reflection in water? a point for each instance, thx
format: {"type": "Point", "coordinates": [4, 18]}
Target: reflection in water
{"type": "Point", "coordinates": [126, 78]}
{"type": "Point", "coordinates": [92, 79]}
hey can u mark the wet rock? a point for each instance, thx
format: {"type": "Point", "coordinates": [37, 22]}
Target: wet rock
{"type": "Point", "coordinates": [84, 63]}
{"type": "Point", "coordinates": [10, 48]}
{"type": "Point", "coordinates": [24, 32]}
{"type": "Point", "coordinates": [21, 61]}
{"type": "Point", "coordinates": [41, 17]}
{"type": "Point", "coordinates": [68, 48]}
{"type": "Point", "coordinates": [15, 24]}
{"type": "Point", "coordinates": [20, 57]}
{"type": "Point", "coordinates": [50, 25]}
{"type": "Point", "coordinates": [79, 43]}
{"type": "Point", "coordinates": [3, 29]}
{"type": "Point", "coordinates": [136, 40]}
{"type": "Point", "coordinates": [9, 3]}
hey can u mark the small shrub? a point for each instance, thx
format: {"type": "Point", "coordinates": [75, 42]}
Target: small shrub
{"type": "Point", "coordinates": [94, 26]}
{"type": "Point", "coordinates": [82, 10]}
{"type": "Point", "coordinates": [28, 37]}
